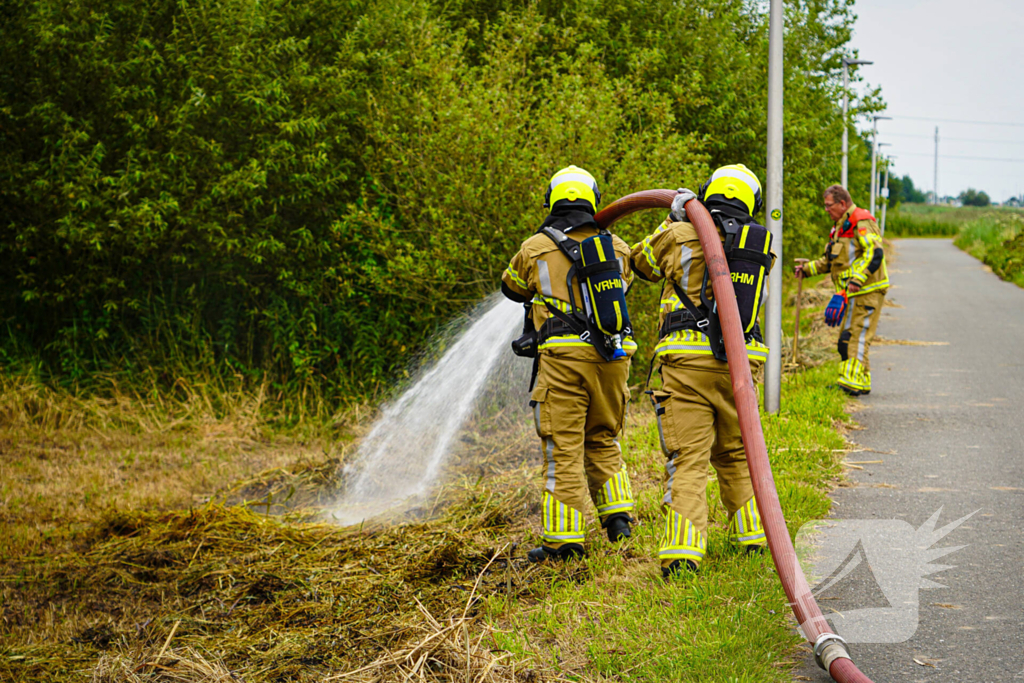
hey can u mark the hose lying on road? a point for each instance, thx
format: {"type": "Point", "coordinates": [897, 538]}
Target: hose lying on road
{"type": "Point", "coordinates": [830, 650]}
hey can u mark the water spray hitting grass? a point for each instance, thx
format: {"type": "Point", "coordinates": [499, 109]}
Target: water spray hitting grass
{"type": "Point", "coordinates": [401, 457]}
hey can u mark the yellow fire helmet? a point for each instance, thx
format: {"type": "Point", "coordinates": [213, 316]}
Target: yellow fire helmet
{"type": "Point", "coordinates": [731, 183]}
{"type": "Point", "coordinates": [572, 183]}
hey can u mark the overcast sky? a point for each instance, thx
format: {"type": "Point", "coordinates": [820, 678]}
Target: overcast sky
{"type": "Point", "coordinates": [948, 60]}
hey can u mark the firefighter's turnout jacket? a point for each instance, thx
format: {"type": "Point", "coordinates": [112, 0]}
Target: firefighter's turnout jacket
{"type": "Point", "coordinates": [855, 254]}
{"type": "Point", "coordinates": [579, 399]}
{"type": "Point", "coordinates": [696, 408]}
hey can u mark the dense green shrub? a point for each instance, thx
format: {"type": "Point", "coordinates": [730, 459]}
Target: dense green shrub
{"type": "Point", "coordinates": [305, 190]}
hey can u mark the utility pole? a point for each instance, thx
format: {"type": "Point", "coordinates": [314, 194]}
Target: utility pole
{"type": "Point", "coordinates": [936, 185]}
{"type": "Point", "coordinates": [846, 108]}
{"type": "Point", "coordinates": [874, 161]}
{"type": "Point", "coordinates": [885, 193]}
{"type": "Point", "coordinates": [773, 313]}
{"type": "Point", "coordinates": [877, 177]}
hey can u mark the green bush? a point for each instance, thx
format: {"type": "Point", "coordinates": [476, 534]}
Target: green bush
{"type": "Point", "coordinates": [304, 191]}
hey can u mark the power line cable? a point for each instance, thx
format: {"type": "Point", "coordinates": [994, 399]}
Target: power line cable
{"type": "Point", "coordinates": [932, 137]}
{"type": "Point", "coordinates": [973, 123]}
{"type": "Point", "coordinates": [954, 156]}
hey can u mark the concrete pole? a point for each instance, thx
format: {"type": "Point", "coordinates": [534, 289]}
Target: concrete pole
{"type": "Point", "coordinates": [885, 195]}
{"type": "Point", "coordinates": [847, 63]}
{"type": "Point", "coordinates": [935, 187]}
{"type": "Point", "coordinates": [874, 157]}
{"type": "Point", "coordinates": [846, 124]}
{"type": "Point", "coordinates": [773, 313]}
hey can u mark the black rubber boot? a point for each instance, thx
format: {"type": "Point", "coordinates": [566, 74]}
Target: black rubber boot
{"type": "Point", "coordinates": [756, 549]}
{"type": "Point", "coordinates": [679, 567]}
{"type": "Point", "coordinates": [569, 551]}
{"type": "Point", "coordinates": [617, 526]}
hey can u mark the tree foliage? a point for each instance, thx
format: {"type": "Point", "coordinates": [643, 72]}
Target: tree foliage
{"type": "Point", "coordinates": [972, 197]}
{"type": "Point", "coordinates": [306, 190]}
{"type": "Point", "coordinates": [911, 194]}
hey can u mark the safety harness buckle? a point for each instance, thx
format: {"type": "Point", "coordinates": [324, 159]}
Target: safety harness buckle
{"type": "Point", "coordinates": [703, 323]}
{"type": "Point", "coordinates": [585, 335]}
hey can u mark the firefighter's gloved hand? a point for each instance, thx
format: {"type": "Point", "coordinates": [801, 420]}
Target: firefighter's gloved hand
{"type": "Point", "coordinates": [835, 310]}
{"type": "Point", "coordinates": [678, 213]}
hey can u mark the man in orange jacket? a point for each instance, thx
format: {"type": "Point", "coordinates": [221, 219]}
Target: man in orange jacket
{"type": "Point", "coordinates": [855, 259]}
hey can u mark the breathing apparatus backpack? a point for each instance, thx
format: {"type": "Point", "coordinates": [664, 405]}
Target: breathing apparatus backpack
{"type": "Point", "coordinates": [748, 252]}
{"type": "Point", "coordinates": [603, 320]}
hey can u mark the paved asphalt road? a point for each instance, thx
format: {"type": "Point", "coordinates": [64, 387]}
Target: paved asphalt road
{"type": "Point", "coordinates": [948, 421]}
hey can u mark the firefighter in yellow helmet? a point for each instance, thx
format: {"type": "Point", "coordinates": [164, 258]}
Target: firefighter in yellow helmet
{"type": "Point", "coordinates": [571, 277]}
{"type": "Point", "coordinates": [696, 408]}
{"type": "Point", "coordinates": [855, 259]}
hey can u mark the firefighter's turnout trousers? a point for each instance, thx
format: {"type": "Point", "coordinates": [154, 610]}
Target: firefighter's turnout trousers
{"type": "Point", "coordinates": [855, 337]}
{"type": "Point", "coordinates": [698, 424]}
{"type": "Point", "coordinates": [579, 407]}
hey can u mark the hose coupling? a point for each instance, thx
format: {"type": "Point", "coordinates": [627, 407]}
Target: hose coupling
{"type": "Point", "coordinates": [828, 648]}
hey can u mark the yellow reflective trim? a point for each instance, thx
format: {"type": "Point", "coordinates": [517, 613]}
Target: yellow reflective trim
{"type": "Point", "coordinates": [515, 277]}
{"type": "Point", "coordinates": [616, 495]}
{"type": "Point", "coordinates": [757, 300]}
{"type": "Point", "coordinates": [881, 284]}
{"type": "Point", "coordinates": [561, 522]}
{"type": "Point", "coordinates": [563, 306]}
{"type": "Point", "coordinates": [649, 256]}
{"type": "Point", "coordinates": [628, 343]}
{"type": "Point", "coordinates": [681, 539]}
{"type": "Point", "coordinates": [692, 342]}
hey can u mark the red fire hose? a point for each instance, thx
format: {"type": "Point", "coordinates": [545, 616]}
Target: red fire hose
{"type": "Point", "coordinates": [830, 650]}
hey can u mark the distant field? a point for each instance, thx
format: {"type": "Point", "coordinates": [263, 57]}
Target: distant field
{"type": "Point", "coordinates": [926, 220]}
{"type": "Point", "coordinates": [953, 214]}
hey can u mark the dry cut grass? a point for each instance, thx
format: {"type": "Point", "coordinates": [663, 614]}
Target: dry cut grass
{"type": "Point", "coordinates": [67, 460]}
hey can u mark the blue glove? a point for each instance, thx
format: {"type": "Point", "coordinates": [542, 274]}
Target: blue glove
{"type": "Point", "coordinates": [836, 309]}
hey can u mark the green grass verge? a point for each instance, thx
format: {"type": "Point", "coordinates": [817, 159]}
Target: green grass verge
{"type": "Point", "coordinates": [998, 241]}
{"type": "Point", "coordinates": [614, 616]}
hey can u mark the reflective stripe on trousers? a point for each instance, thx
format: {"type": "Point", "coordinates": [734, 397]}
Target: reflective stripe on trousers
{"type": "Point", "coordinates": [681, 540]}
{"type": "Point", "coordinates": [616, 495]}
{"type": "Point", "coordinates": [745, 527]}
{"type": "Point", "coordinates": [562, 524]}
